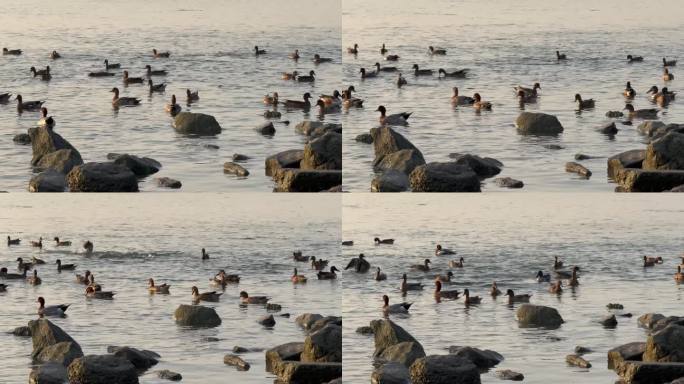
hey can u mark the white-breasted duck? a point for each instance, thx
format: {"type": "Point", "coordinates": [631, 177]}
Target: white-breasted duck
{"type": "Point", "coordinates": [543, 277]}
{"type": "Point", "coordinates": [349, 101]}
{"type": "Point", "coordinates": [45, 120]}
{"type": "Point", "coordinates": [172, 108]}
{"type": "Point", "coordinates": [456, 264]}
{"type": "Point", "coordinates": [629, 92]}
{"type": "Point", "coordinates": [123, 101]}
{"type": "Point", "coordinates": [34, 280]}
{"type": "Point", "coordinates": [394, 119]}
{"type": "Point", "coordinates": [439, 251]}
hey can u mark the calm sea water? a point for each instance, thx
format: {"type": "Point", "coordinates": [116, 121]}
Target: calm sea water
{"type": "Point", "coordinates": [508, 240]}
{"type": "Point", "coordinates": [140, 237]}
{"type": "Point", "coordinates": [211, 51]}
{"type": "Point", "coordinates": [505, 44]}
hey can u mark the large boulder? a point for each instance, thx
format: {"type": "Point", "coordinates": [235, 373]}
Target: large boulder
{"type": "Point", "coordinates": [196, 316]}
{"type": "Point", "coordinates": [403, 160]}
{"type": "Point", "coordinates": [102, 369]}
{"type": "Point", "coordinates": [391, 373]}
{"type": "Point", "coordinates": [324, 152]}
{"type": "Point", "coordinates": [102, 177]}
{"type": "Point", "coordinates": [48, 373]}
{"type": "Point", "coordinates": [484, 167]}
{"type": "Point", "coordinates": [444, 177]}
{"type": "Point", "coordinates": [390, 181]}
{"type": "Point", "coordinates": [48, 181]}
{"type": "Point", "coordinates": [530, 315]}
{"type": "Point", "coordinates": [141, 359]}
{"type": "Point", "coordinates": [639, 180]}
{"type": "Point", "coordinates": [299, 180]}
{"type": "Point", "coordinates": [196, 124]}
{"type": "Point", "coordinates": [283, 352]}
{"type": "Point", "coordinates": [529, 123]}
{"type": "Point", "coordinates": [45, 334]}
{"type": "Point", "coordinates": [387, 333]}
{"type": "Point", "coordinates": [62, 353]}
{"type": "Point", "coordinates": [62, 160]}
{"type": "Point", "coordinates": [641, 372]}
{"type": "Point", "coordinates": [44, 140]}
{"type": "Point", "coordinates": [386, 141]}
{"type": "Point", "coordinates": [484, 359]}
{"type": "Point", "coordinates": [404, 353]}
{"type": "Point", "coordinates": [630, 351]}
{"type": "Point", "coordinates": [307, 373]}
{"type": "Point", "coordinates": [444, 369]}
{"type": "Point", "coordinates": [141, 166]}
{"type": "Point", "coordinates": [324, 345]}
{"type": "Point", "coordinates": [628, 159]}
{"type": "Point", "coordinates": [666, 345]}
{"type": "Point", "coordinates": [665, 153]}
{"type": "Point", "coordinates": [286, 159]}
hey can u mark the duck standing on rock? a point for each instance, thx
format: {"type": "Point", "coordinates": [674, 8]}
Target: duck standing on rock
{"type": "Point", "coordinates": [45, 120]}
{"type": "Point", "coordinates": [359, 264]}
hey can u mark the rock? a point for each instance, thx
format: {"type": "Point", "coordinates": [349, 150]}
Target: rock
{"type": "Point", "coordinates": [48, 373]}
{"type": "Point", "coordinates": [165, 374]}
{"type": "Point", "coordinates": [286, 159]}
{"type": "Point", "coordinates": [167, 182]}
{"type": "Point", "coordinates": [484, 167]}
{"type": "Point", "coordinates": [366, 330]}
{"type": "Point", "coordinates": [530, 315]}
{"type": "Point", "coordinates": [484, 359]}
{"type": "Point", "coordinates": [582, 350]}
{"type": "Point", "coordinates": [679, 188]}
{"type": "Point", "coordinates": [554, 147]}
{"type": "Point", "coordinates": [391, 373]}
{"type": "Point", "coordinates": [404, 161]}
{"type": "Point", "coordinates": [141, 166]}
{"type": "Point", "coordinates": [614, 114]}
{"type": "Point", "coordinates": [238, 349]}
{"type": "Point", "coordinates": [387, 334]}
{"type": "Point", "coordinates": [141, 359]}
{"type": "Point", "coordinates": [211, 146]}
{"type": "Point", "coordinates": [630, 351]}
{"type": "Point", "coordinates": [236, 361]}
{"type": "Point", "coordinates": [444, 369]}
{"type": "Point", "coordinates": [240, 158]}
{"type": "Point", "coordinates": [444, 177]}
{"type": "Point", "coordinates": [529, 123]}
{"type": "Point", "coordinates": [307, 320]}
{"type": "Point", "coordinates": [391, 180]}
{"type": "Point", "coordinates": [386, 141]}
{"type": "Point", "coordinates": [507, 374]}
{"type": "Point", "coordinates": [615, 306]}
{"type": "Point", "coordinates": [666, 345]}
{"type": "Point", "coordinates": [22, 138]}
{"type": "Point", "coordinates": [629, 159]}
{"type": "Point", "coordinates": [266, 129]}
{"type": "Point", "coordinates": [321, 323]}
{"type": "Point", "coordinates": [102, 177]}
{"type": "Point", "coordinates": [48, 181]}
{"type": "Point", "coordinates": [577, 361]}
{"type": "Point", "coordinates": [196, 124]}
{"type": "Point", "coordinates": [273, 307]}
{"type": "Point", "coordinates": [317, 128]}
{"type": "Point", "coordinates": [649, 373]}
{"type": "Point", "coordinates": [267, 321]}
{"type": "Point", "coordinates": [578, 169]}
{"type": "Point", "coordinates": [62, 353]}
{"type": "Point", "coordinates": [23, 331]}
{"type": "Point", "coordinates": [62, 161]}
{"type": "Point", "coordinates": [650, 127]}
{"type": "Point", "coordinates": [235, 169]}
{"type": "Point", "coordinates": [336, 381]}
{"type": "Point", "coordinates": [307, 373]}
{"type": "Point", "coordinates": [327, 127]}
{"type": "Point", "coordinates": [405, 353]}
{"type": "Point", "coordinates": [296, 180]}
{"type": "Point", "coordinates": [609, 321]}
{"type": "Point", "coordinates": [638, 180]}
{"type": "Point", "coordinates": [102, 369]}
{"type": "Point", "coordinates": [196, 316]}
{"type": "Point", "coordinates": [366, 138]}
{"type": "Point", "coordinates": [283, 352]}
{"type": "Point", "coordinates": [45, 334]}
{"type": "Point", "coordinates": [44, 140]}
{"type": "Point", "coordinates": [507, 182]}
{"type": "Point", "coordinates": [649, 320]}
{"type": "Point", "coordinates": [670, 128]}
{"type": "Point", "coordinates": [324, 345]}
{"type": "Point", "coordinates": [608, 129]}
{"type": "Point", "coordinates": [324, 152]}
{"type": "Point", "coordinates": [582, 156]}
{"type": "Point", "coordinates": [665, 153]}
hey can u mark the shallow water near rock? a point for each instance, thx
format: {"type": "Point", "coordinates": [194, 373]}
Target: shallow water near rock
{"type": "Point", "coordinates": [161, 236]}
{"type": "Point", "coordinates": [508, 241]}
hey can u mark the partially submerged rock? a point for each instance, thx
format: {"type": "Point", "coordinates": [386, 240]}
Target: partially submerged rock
{"type": "Point", "coordinates": [390, 181]}
{"type": "Point", "coordinates": [485, 167]}
{"type": "Point", "coordinates": [284, 352]}
{"type": "Point", "coordinates": [443, 369]}
{"type": "Point", "coordinates": [365, 138]}
{"type": "Point", "coordinates": [530, 315]}
{"type": "Point", "coordinates": [639, 180]}
{"type": "Point", "coordinates": [649, 373]}
{"type": "Point", "coordinates": [165, 374]}
{"type": "Point", "coordinates": [102, 177]}
{"type": "Point", "coordinates": [196, 124]}
{"type": "Point", "coordinates": [285, 159]}
{"type": "Point", "coordinates": [578, 169]}
{"type": "Point", "coordinates": [507, 182]}
{"type": "Point", "coordinates": [52, 344]}
{"type": "Point", "coordinates": [235, 169]}
{"type": "Point", "coordinates": [529, 123]}
{"type": "Point", "coordinates": [308, 373]}
{"type": "Point", "coordinates": [102, 369]}
{"type": "Point", "coordinates": [167, 182]}
{"type": "Point", "coordinates": [324, 152]}
{"type": "Point", "coordinates": [62, 160]}
{"type": "Point", "coordinates": [391, 373]}
{"type": "Point", "coordinates": [628, 159]}
{"type": "Point", "coordinates": [507, 374]}
{"type": "Point", "coordinates": [267, 321]}
{"type": "Point", "coordinates": [48, 373]}
{"type": "Point", "coordinates": [324, 345]}
{"type": "Point", "coordinates": [196, 316]}
{"type": "Point", "coordinates": [44, 140]}
{"type": "Point", "coordinates": [577, 361]}
{"type": "Point", "coordinates": [299, 180]}
{"type": "Point", "coordinates": [444, 177]}
{"type": "Point", "coordinates": [48, 181]}
{"type": "Point", "coordinates": [404, 161]}
{"type": "Point", "coordinates": [266, 129]}
{"type": "Point", "coordinates": [141, 166]}
{"type": "Point", "coordinates": [484, 359]}
{"type": "Point", "coordinates": [665, 153]}
{"type": "Point", "coordinates": [236, 361]}
{"type": "Point", "coordinates": [22, 138]}
{"type": "Point", "coordinates": [630, 351]}
{"type": "Point", "coordinates": [141, 359]}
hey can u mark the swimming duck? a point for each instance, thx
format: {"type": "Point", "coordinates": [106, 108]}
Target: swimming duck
{"type": "Point", "coordinates": [439, 251]}
{"type": "Point", "coordinates": [461, 100]}
{"type": "Point", "coordinates": [205, 255]}
{"type": "Point", "coordinates": [47, 76]}
{"type": "Point", "coordinates": [328, 275]}
{"type": "Point", "coordinates": [271, 100]}
{"type": "Point", "coordinates": [556, 287]}
{"type": "Point", "coordinates": [667, 76]}
{"type": "Point", "coordinates": [394, 119]}
{"type": "Point", "coordinates": [436, 51]}
{"type": "Point", "coordinates": [306, 104]}
{"type": "Point", "coordinates": [583, 104]}
{"type": "Point", "coordinates": [64, 267]}
{"type": "Point", "coordinates": [307, 79]}
{"type": "Point", "coordinates": [91, 283]}
{"type": "Point", "coordinates": [567, 274]}
{"type": "Point", "coordinates": [132, 80]}
{"type": "Point", "coordinates": [92, 293]}
{"type": "Point", "coordinates": [101, 74]}
{"type": "Point", "coordinates": [648, 261]}
{"type": "Point", "coordinates": [111, 66]}
{"type": "Point", "coordinates": [11, 241]}
{"type": "Point", "coordinates": [34, 280]}
{"type": "Point", "coordinates": [669, 63]}
{"type": "Point", "coordinates": [158, 72]}
{"type": "Point", "coordinates": [37, 261]}
{"type": "Point", "coordinates": [513, 298]}
{"type": "Point", "coordinates": [296, 278]}
{"type": "Point", "coordinates": [445, 278]}
{"type": "Point", "coordinates": [205, 296]}
{"type": "Point", "coordinates": [378, 241]}
{"type": "Point", "coordinates": [359, 264]}
{"type": "Point", "coordinates": [561, 56]}
{"type": "Point", "coordinates": [325, 108]}
{"type": "Point", "coordinates": [5, 97]}
{"type": "Point", "coordinates": [663, 97]}
{"type": "Point", "coordinates": [494, 290]}
{"type": "Point", "coordinates": [13, 276]}
{"type": "Point", "coordinates": [526, 97]}
{"type": "Point", "coordinates": [294, 55]}
{"type": "Point", "coordinates": [29, 105]}
{"type": "Point", "coordinates": [439, 294]}
{"type": "Point", "coordinates": [318, 264]}
{"type": "Point", "coordinates": [349, 101]}
{"type": "Point", "coordinates": [353, 50]}
{"type": "Point", "coordinates": [401, 81]}
{"type": "Point", "coordinates": [22, 265]}
{"type": "Point", "coordinates": [191, 96]}
{"type": "Point", "coordinates": [160, 55]}
{"type": "Point", "coordinates": [298, 256]}
{"type": "Point", "coordinates": [573, 278]}
{"type": "Point", "coordinates": [172, 108]}
{"type": "Point", "coordinates": [649, 113]}
{"type": "Point", "coordinates": [59, 243]}
{"type": "Point", "coordinates": [245, 298]}
{"type": "Point", "coordinates": [471, 300]}
{"type": "Point", "coordinates": [406, 286]}
{"type": "Point", "coordinates": [40, 72]}
{"type": "Point", "coordinates": [83, 279]}
{"type": "Point", "coordinates": [629, 92]}
{"type": "Point", "coordinates": [543, 278]}
{"type": "Point", "coordinates": [422, 267]}
{"type": "Point", "coordinates": [37, 244]}
{"type": "Point", "coordinates": [45, 120]}
{"type": "Point", "coordinates": [258, 51]}
{"type": "Point", "coordinates": [289, 76]}
{"type": "Point", "coordinates": [380, 276]}
{"type": "Point", "coordinates": [318, 59]}
{"type": "Point", "coordinates": [88, 246]}
{"type": "Point", "coordinates": [461, 73]}
{"type": "Point", "coordinates": [367, 75]}
{"type": "Point", "coordinates": [15, 52]}
{"type": "Point", "coordinates": [557, 264]}
{"type": "Point", "coordinates": [421, 72]}
{"type": "Point", "coordinates": [161, 87]}
{"type": "Point", "coordinates": [383, 50]}
{"type": "Point", "coordinates": [394, 308]}
{"type": "Point", "coordinates": [3, 287]}
{"type": "Point", "coordinates": [528, 91]}
{"type": "Point", "coordinates": [123, 101]}
{"type": "Point", "coordinates": [479, 104]}
{"type": "Point", "coordinates": [679, 276]}
{"type": "Point", "coordinates": [456, 264]}
{"type": "Point", "coordinates": [52, 310]}
{"type": "Point", "coordinates": [634, 59]}
{"type": "Point", "coordinates": [151, 287]}
{"type": "Point", "coordinates": [223, 278]}
{"type": "Point", "coordinates": [392, 57]}
{"type": "Point", "coordinates": [379, 68]}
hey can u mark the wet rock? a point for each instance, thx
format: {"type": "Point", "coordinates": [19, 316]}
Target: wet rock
{"type": "Point", "coordinates": [665, 153]}
{"type": "Point", "coordinates": [238, 349]}
{"type": "Point", "coordinates": [554, 147]}
{"type": "Point", "coordinates": [196, 124]}
{"type": "Point", "coordinates": [577, 361]}
{"type": "Point", "coordinates": [582, 350]}
{"type": "Point", "coordinates": [386, 141]}
{"type": "Point", "coordinates": [529, 123]}
{"type": "Point", "coordinates": [61, 353]}
{"type": "Point", "coordinates": [444, 177]}
{"type": "Point", "coordinates": [582, 156]}
{"type": "Point", "coordinates": [49, 373]}
{"type": "Point", "coordinates": [211, 146]}
{"type": "Point", "coordinates": [307, 320]}
{"type": "Point", "coordinates": [167, 182]}
{"type": "Point", "coordinates": [649, 320]}
{"type": "Point", "coordinates": [296, 180]}
{"type": "Point", "coordinates": [102, 369]}
{"type": "Point", "coordinates": [102, 177]}
{"type": "Point", "coordinates": [317, 128]}
{"type": "Point", "coordinates": [273, 307]}
{"type": "Point", "coordinates": [266, 129]}
{"type": "Point", "coordinates": [507, 182]}
{"type": "Point", "coordinates": [530, 315]}
{"type": "Point", "coordinates": [240, 158]}
{"type": "Point", "coordinates": [650, 127]}
{"type": "Point", "coordinates": [141, 166]}
{"type": "Point", "coordinates": [444, 369]}
{"type": "Point", "coordinates": [282, 353]}
{"type": "Point", "coordinates": [405, 353]}
{"type": "Point", "coordinates": [325, 321]}
{"type": "Point", "coordinates": [196, 316]}
{"type": "Point", "coordinates": [366, 330]}
{"type": "Point", "coordinates": [45, 334]}
{"type": "Point", "coordinates": [608, 129]}
{"type": "Point", "coordinates": [23, 331]}
{"type": "Point", "coordinates": [507, 374]}
{"type": "Point", "coordinates": [484, 359]}
{"type": "Point", "coordinates": [630, 351]}
{"type": "Point", "coordinates": [48, 181]}
{"type": "Point", "coordinates": [628, 159]}
{"type": "Point", "coordinates": [327, 127]}
{"type": "Point", "coordinates": [286, 159]}
{"type": "Point", "coordinates": [666, 345]}
{"type": "Point", "coordinates": [614, 114]}
{"type": "Point", "coordinates": [141, 359]}
{"type": "Point", "coordinates": [578, 169]}
{"type": "Point", "coordinates": [324, 152]}
{"type": "Point", "coordinates": [235, 169]}
{"type": "Point", "coordinates": [678, 189]}
{"type": "Point", "coordinates": [272, 114]}
{"type": "Point", "coordinates": [22, 138]}
{"type": "Point", "coordinates": [404, 161]}
{"type": "Point", "coordinates": [484, 167]}
{"type": "Point", "coordinates": [62, 160]}
{"type": "Point", "coordinates": [236, 361]}
{"type": "Point", "coordinates": [307, 373]}
{"type": "Point", "coordinates": [391, 373]}
{"type": "Point", "coordinates": [390, 181]}
{"type": "Point", "coordinates": [670, 128]}
{"type": "Point", "coordinates": [324, 345]}
{"type": "Point", "coordinates": [165, 374]}
{"type": "Point", "coordinates": [387, 334]}
{"type": "Point", "coordinates": [609, 321]}
{"type": "Point", "coordinates": [638, 180]}
{"type": "Point", "coordinates": [649, 373]}
{"type": "Point", "coordinates": [366, 138]}
{"type": "Point", "coordinates": [45, 140]}
{"type": "Point", "coordinates": [267, 321]}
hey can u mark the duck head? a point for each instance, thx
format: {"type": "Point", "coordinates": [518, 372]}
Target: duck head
{"type": "Point", "coordinates": [41, 301]}
{"type": "Point", "coordinates": [415, 66]}
{"type": "Point", "coordinates": [312, 73]}
{"type": "Point", "coordinates": [19, 99]}
{"type": "Point", "coordinates": [44, 112]}
{"type": "Point", "coordinates": [150, 83]}
{"type": "Point", "coordinates": [441, 70]}
{"type": "Point", "coordinates": [125, 74]}
{"type": "Point", "coordinates": [33, 70]}
{"type": "Point", "coordinates": [540, 274]}
{"type": "Point", "coordinates": [116, 95]}
{"type": "Point", "coordinates": [173, 99]}
{"type": "Point", "coordinates": [438, 285]}
{"type": "Point", "coordinates": [317, 56]}
{"type": "Point", "coordinates": [536, 86]}
{"type": "Point", "coordinates": [509, 292]}
{"type": "Point", "coordinates": [58, 262]}
{"type": "Point", "coordinates": [195, 291]}
{"type": "Point", "coordinates": [629, 107]}
{"type": "Point", "coordinates": [334, 269]}
{"type": "Point", "coordinates": [382, 111]}
{"type": "Point", "coordinates": [653, 89]}
{"type": "Point", "coordinates": [320, 103]}
{"type": "Point", "coordinates": [665, 90]}
{"type": "Point", "coordinates": [150, 281]}
{"type": "Point", "coordinates": [521, 93]}
{"type": "Point", "coordinates": [154, 50]}
{"type": "Point", "coordinates": [362, 256]}
{"type": "Point", "coordinates": [385, 299]}
{"type": "Point", "coordinates": [451, 274]}
{"type": "Point", "coordinates": [307, 95]}
{"type": "Point", "coordinates": [256, 48]}
{"type": "Point", "coordinates": [578, 97]}
{"type": "Point", "coordinates": [431, 48]}
{"type": "Point", "coordinates": [439, 247]}
{"type": "Point", "coordinates": [466, 292]}
{"type": "Point", "coordinates": [351, 89]}
{"type": "Point", "coordinates": [404, 277]}
{"type": "Point", "coordinates": [244, 295]}
{"type": "Point", "coordinates": [477, 97]}
{"type": "Point", "coordinates": [90, 289]}
{"type": "Point", "coordinates": [629, 57]}
{"type": "Point", "coordinates": [427, 262]}
{"type": "Point", "coordinates": [377, 65]}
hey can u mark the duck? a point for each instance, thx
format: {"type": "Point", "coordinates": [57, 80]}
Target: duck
{"type": "Point", "coordinates": [298, 256]}
{"type": "Point", "coordinates": [667, 76]}
{"type": "Point", "coordinates": [561, 56]}
{"type": "Point", "coordinates": [353, 50]}
{"type": "Point", "coordinates": [573, 278]}
{"type": "Point", "coordinates": [14, 52]}
{"type": "Point", "coordinates": [83, 279]}
{"type": "Point", "coordinates": [152, 288]}
{"type": "Point", "coordinates": [11, 241]}
{"type": "Point", "coordinates": [328, 275]}
{"type": "Point", "coordinates": [379, 68]}
{"type": "Point", "coordinates": [436, 51]}
{"type": "Point", "coordinates": [307, 79]}
{"type": "Point", "coordinates": [132, 80]}
{"type": "Point", "coordinates": [46, 76]}
{"type": "Point", "coordinates": [461, 100]}
{"type": "Point", "coordinates": [583, 104]}
{"type": "Point", "coordinates": [45, 120]}
{"type": "Point", "coordinates": [271, 100]}
{"type": "Point", "coordinates": [439, 294]}
{"type": "Point", "coordinates": [391, 57]}
{"type": "Point", "coordinates": [648, 113]}
{"type": "Point", "coordinates": [205, 255]}
{"type": "Point", "coordinates": [471, 300]}
{"type": "Point", "coordinates": [406, 286]}
{"type": "Point", "coordinates": [383, 50]}
{"type": "Point", "coordinates": [64, 267]}
{"type": "Point", "coordinates": [59, 243]}
{"type": "Point", "coordinates": [679, 276]}
{"type": "Point", "coordinates": [28, 105]}
{"type": "Point", "coordinates": [88, 246]}
{"type": "Point", "coordinates": [52, 310]}
{"type": "Point", "coordinates": [34, 280]}
{"type": "Point", "coordinates": [379, 275]}
{"type": "Point", "coordinates": [526, 97]}
{"type": "Point", "coordinates": [445, 278]}
{"type": "Point", "coordinates": [317, 59]}
{"type": "Point", "coordinates": [5, 97]}
{"type": "Point", "coordinates": [663, 96]}
{"type": "Point", "coordinates": [479, 104]}
{"type": "Point", "coordinates": [421, 72]}
{"type": "Point", "coordinates": [422, 267]}
{"type": "Point", "coordinates": [22, 265]}
{"type": "Point", "coordinates": [629, 92]}
{"type": "Point", "coordinates": [223, 278]}
{"type": "Point", "coordinates": [367, 75]}
{"type": "Point", "coordinates": [439, 251]}
{"type": "Point", "coordinates": [245, 298]}
{"type": "Point", "coordinates": [294, 55]}
{"type": "Point", "coordinates": [567, 274]}
{"type": "Point", "coordinates": [513, 298]}
{"type": "Point", "coordinates": [173, 108]}
{"type": "Point", "coordinates": [109, 66]}
{"type": "Point", "coordinates": [161, 87]}
{"type": "Point", "coordinates": [306, 104]}
{"type": "Point", "coordinates": [359, 264]}
{"type": "Point", "coordinates": [91, 283]}
{"type": "Point", "coordinates": [648, 261]}
{"type": "Point", "coordinates": [401, 81]}
{"type": "Point", "coordinates": [289, 76]}
{"type": "Point", "coordinates": [318, 264]}
{"type": "Point", "coordinates": [394, 119]}
{"type": "Point", "coordinates": [494, 290]}
{"type": "Point", "coordinates": [324, 108]}
{"type": "Point", "coordinates": [296, 278]}
{"type": "Point", "coordinates": [331, 99]}
{"type": "Point", "coordinates": [101, 74]}
{"type": "Point", "coordinates": [460, 74]}
{"type": "Point", "coordinates": [556, 287]}
{"type": "Point", "coordinates": [191, 96]}
{"type": "Point", "coordinates": [93, 293]}
{"type": "Point", "coordinates": [634, 59]}
{"type": "Point", "coordinates": [528, 91]}
{"type": "Point", "coordinates": [456, 264]}
{"type": "Point", "coordinates": [205, 296]}
{"type": "Point", "coordinates": [123, 101]}
{"type": "Point", "coordinates": [3, 287]}
{"type": "Point", "coordinates": [39, 72]}
{"type": "Point", "coordinates": [157, 72]}
{"type": "Point", "coordinates": [557, 264]}
{"type": "Point", "coordinates": [258, 51]}
{"type": "Point", "coordinates": [669, 63]}
{"type": "Point", "coordinates": [37, 244]}
{"type": "Point", "coordinates": [13, 276]}
{"type": "Point", "coordinates": [379, 241]}
{"type": "Point", "coordinates": [542, 277]}
{"type": "Point", "coordinates": [37, 261]}
{"type": "Point", "coordinates": [402, 307]}
{"type": "Point", "coordinates": [348, 100]}
{"type": "Point", "coordinates": [160, 55]}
